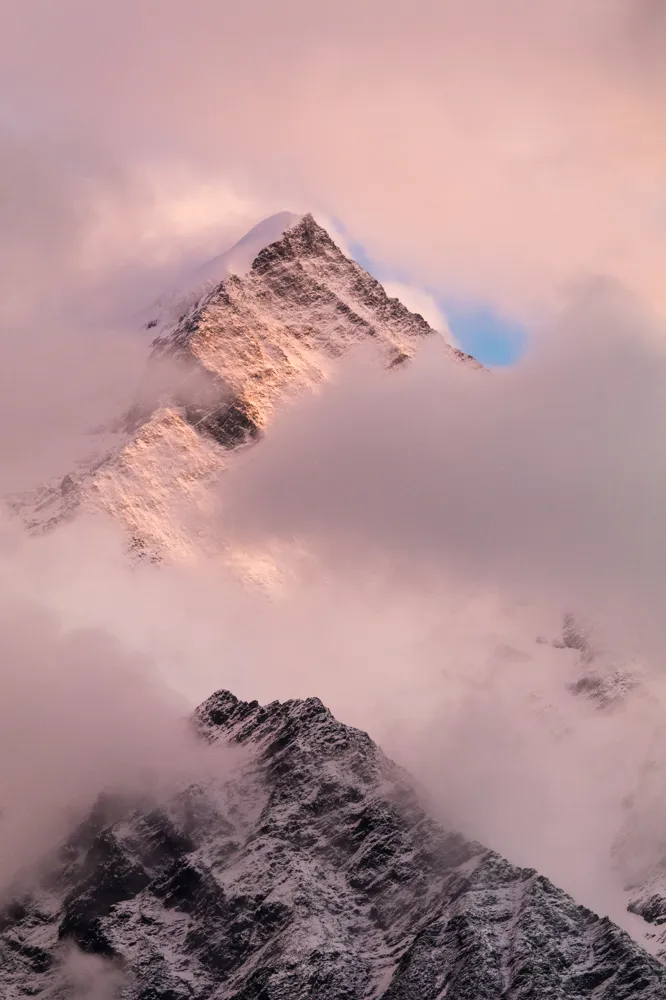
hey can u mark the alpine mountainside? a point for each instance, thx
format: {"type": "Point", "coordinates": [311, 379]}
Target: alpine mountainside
{"type": "Point", "coordinates": [227, 353]}
{"type": "Point", "coordinates": [313, 870]}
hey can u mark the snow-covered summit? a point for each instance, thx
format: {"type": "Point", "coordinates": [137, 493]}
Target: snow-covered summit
{"type": "Point", "coordinates": [237, 347]}
{"type": "Point", "coordinates": [237, 260]}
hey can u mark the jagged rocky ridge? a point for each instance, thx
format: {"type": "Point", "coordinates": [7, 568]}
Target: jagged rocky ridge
{"type": "Point", "coordinates": [218, 370]}
{"type": "Point", "coordinates": [315, 873]}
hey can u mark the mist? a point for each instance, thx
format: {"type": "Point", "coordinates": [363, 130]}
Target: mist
{"type": "Point", "coordinates": [426, 526]}
{"type": "Point", "coordinates": [457, 681]}
{"type": "Point", "coordinates": [85, 707]}
{"type": "Point", "coordinates": [547, 481]}
{"type": "Point", "coordinates": [80, 715]}
{"type": "Point", "coordinates": [429, 526]}
{"type": "Point", "coordinates": [89, 243]}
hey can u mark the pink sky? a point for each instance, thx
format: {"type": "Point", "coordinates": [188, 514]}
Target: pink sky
{"type": "Point", "coordinates": [499, 150]}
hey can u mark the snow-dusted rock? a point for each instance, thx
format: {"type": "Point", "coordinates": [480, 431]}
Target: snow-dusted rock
{"type": "Point", "coordinates": [315, 873]}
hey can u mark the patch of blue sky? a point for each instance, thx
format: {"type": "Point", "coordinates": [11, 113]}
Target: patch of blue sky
{"type": "Point", "coordinates": [479, 329]}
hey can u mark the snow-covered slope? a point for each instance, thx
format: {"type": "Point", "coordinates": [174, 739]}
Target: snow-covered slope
{"type": "Point", "coordinates": [238, 348]}
{"type": "Point", "coordinates": [315, 873]}
{"type": "Point", "coordinates": [237, 260]}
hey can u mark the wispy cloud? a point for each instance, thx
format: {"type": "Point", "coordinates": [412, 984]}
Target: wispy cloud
{"type": "Point", "coordinates": [494, 153]}
{"type": "Point", "coordinates": [423, 302]}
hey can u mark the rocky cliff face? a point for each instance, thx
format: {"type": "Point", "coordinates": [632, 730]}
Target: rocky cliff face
{"type": "Point", "coordinates": [315, 872]}
{"type": "Point", "coordinates": [220, 366]}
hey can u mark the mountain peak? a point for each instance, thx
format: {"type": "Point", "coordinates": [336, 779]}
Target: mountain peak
{"type": "Point", "coordinates": [222, 708]}
{"type": "Point", "coordinates": [306, 238]}
{"type": "Point", "coordinates": [239, 258]}
{"type": "Point", "coordinates": [224, 716]}
{"type": "Point", "coordinates": [267, 320]}
{"type": "Point", "coordinates": [312, 870]}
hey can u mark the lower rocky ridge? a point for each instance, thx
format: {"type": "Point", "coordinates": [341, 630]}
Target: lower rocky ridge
{"type": "Point", "coordinates": [314, 873]}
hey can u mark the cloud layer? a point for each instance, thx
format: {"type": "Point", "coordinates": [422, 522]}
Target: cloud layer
{"type": "Point", "coordinates": [548, 480]}
{"type": "Point", "coordinates": [494, 156]}
{"type": "Point", "coordinates": [495, 152]}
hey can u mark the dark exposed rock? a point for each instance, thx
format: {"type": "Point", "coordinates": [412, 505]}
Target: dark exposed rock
{"type": "Point", "coordinates": [231, 424]}
{"type": "Point", "coordinates": [652, 909]}
{"type": "Point", "coordinates": [574, 635]}
{"type": "Point", "coordinates": [67, 484]}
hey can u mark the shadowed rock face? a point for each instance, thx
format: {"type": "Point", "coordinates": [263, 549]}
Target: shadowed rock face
{"type": "Point", "coordinates": [315, 872]}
